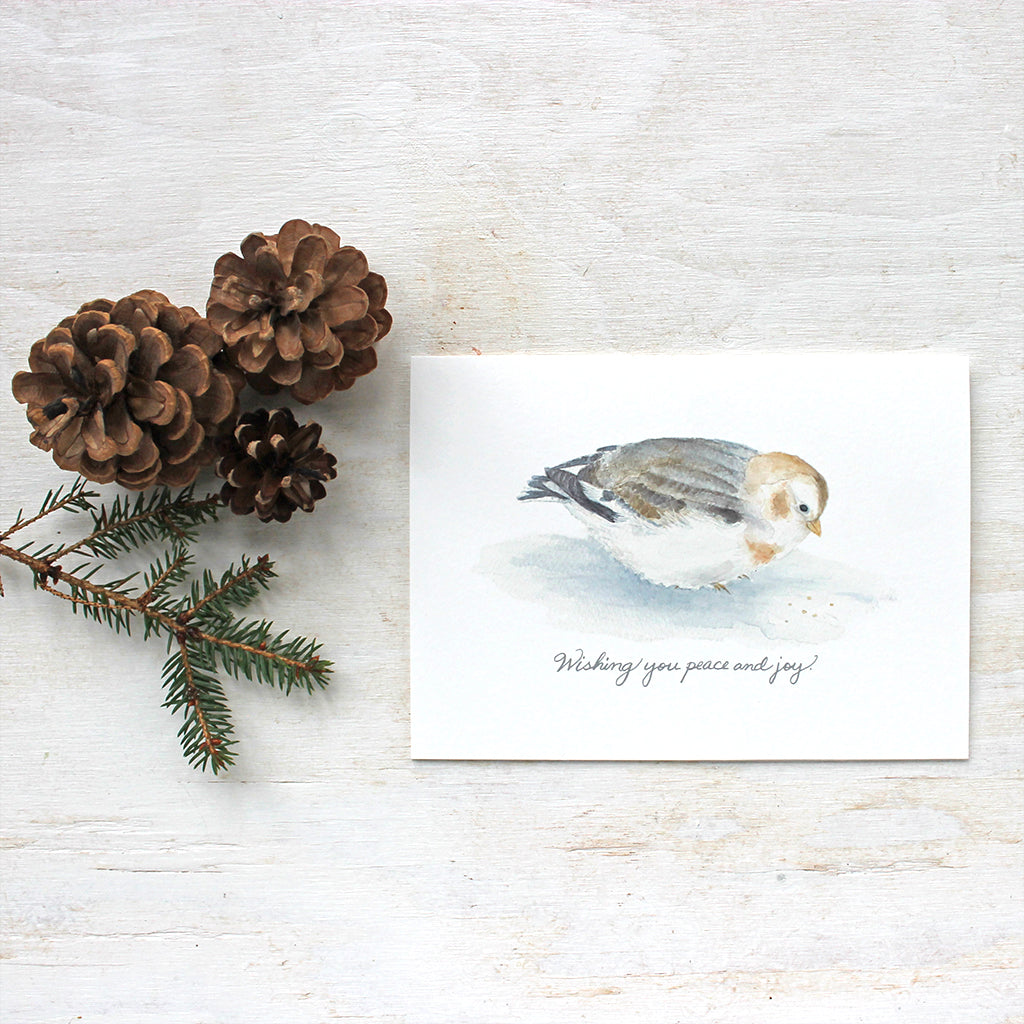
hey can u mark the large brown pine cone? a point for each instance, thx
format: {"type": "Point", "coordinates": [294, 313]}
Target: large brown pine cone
{"type": "Point", "coordinates": [273, 466]}
{"type": "Point", "coordinates": [132, 391]}
{"type": "Point", "coordinates": [299, 311]}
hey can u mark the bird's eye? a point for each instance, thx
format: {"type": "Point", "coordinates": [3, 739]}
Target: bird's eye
{"type": "Point", "coordinates": [803, 508]}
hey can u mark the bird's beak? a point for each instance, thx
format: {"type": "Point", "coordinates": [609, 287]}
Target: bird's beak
{"type": "Point", "coordinates": [815, 527]}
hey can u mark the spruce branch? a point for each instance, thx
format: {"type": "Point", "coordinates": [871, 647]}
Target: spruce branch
{"type": "Point", "coordinates": [196, 616]}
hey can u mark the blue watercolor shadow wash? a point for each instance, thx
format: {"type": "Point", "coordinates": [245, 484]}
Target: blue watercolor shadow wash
{"type": "Point", "coordinates": [802, 598]}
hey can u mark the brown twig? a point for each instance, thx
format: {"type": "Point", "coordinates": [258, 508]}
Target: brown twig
{"type": "Point", "coordinates": [71, 597]}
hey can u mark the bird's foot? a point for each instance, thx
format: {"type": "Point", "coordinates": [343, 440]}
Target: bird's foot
{"type": "Point", "coordinates": [721, 587]}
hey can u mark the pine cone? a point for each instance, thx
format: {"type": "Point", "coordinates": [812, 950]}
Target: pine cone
{"type": "Point", "coordinates": [299, 311]}
{"type": "Point", "coordinates": [273, 466]}
{"type": "Point", "coordinates": [131, 391]}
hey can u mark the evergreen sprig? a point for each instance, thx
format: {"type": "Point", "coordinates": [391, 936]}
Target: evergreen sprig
{"type": "Point", "coordinates": [195, 614]}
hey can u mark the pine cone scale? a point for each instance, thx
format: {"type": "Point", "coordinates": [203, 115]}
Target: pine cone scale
{"type": "Point", "coordinates": [125, 432]}
{"type": "Point", "coordinates": [360, 334]}
{"type": "Point", "coordinates": [229, 265]}
{"type": "Point", "coordinates": [316, 335]}
{"type": "Point", "coordinates": [178, 449]}
{"type": "Point", "coordinates": [99, 446]}
{"type": "Point", "coordinates": [305, 439]}
{"type": "Point", "coordinates": [69, 443]}
{"type": "Point", "coordinates": [36, 387]}
{"type": "Point", "coordinates": [244, 473]}
{"type": "Point", "coordinates": [146, 456]}
{"type": "Point", "coordinates": [214, 405]}
{"type": "Point", "coordinates": [343, 304]}
{"type": "Point", "coordinates": [289, 338]}
{"type": "Point", "coordinates": [355, 365]}
{"type": "Point", "coordinates": [52, 419]}
{"type": "Point", "coordinates": [176, 474]}
{"type": "Point", "coordinates": [283, 372]}
{"type": "Point", "coordinates": [107, 341]}
{"type": "Point", "coordinates": [384, 322]}
{"type": "Point", "coordinates": [347, 266]}
{"type": "Point", "coordinates": [60, 356]}
{"type": "Point", "coordinates": [108, 379]}
{"type": "Point", "coordinates": [173, 321]}
{"type": "Point", "coordinates": [85, 323]}
{"type": "Point", "coordinates": [188, 370]}
{"type": "Point", "coordinates": [308, 285]}
{"type": "Point", "coordinates": [204, 337]}
{"type": "Point", "coordinates": [268, 266]}
{"type": "Point", "coordinates": [101, 472]}
{"type": "Point", "coordinates": [311, 253]}
{"type": "Point", "coordinates": [154, 350]}
{"type": "Point", "coordinates": [376, 289]}
{"type": "Point", "coordinates": [314, 384]}
{"type": "Point", "coordinates": [110, 363]}
{"type": "Point", "coordinates": [254, 353]}
{"type": "Point", "coordinates": [152, 401]}
{"type": "Point", "coordinates": [327, 357]}
{"type": "Point", "coordinates": [237, 292]}
{"type": "Point", "coordinates": [183, 417]}
{"type": "Point", "coordinates": [252, 244]}
{"type": "Point", "coordinates": [288, 238]}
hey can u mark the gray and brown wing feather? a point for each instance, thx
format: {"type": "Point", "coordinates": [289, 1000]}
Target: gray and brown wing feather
{"type": "Point", "coordinates": [661, 478]}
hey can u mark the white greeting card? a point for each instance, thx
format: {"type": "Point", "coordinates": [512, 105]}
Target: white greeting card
{"type": "Point", "coordinates": [690, 557]}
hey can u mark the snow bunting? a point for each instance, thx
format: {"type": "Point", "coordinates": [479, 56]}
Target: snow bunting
{"type": "Point", "coordinates": [686, 511]}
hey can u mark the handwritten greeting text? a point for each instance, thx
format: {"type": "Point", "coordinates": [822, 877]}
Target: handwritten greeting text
{"type": "Point", "coordinates": [777, 669]}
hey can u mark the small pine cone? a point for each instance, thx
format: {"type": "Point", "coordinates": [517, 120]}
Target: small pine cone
{"type": "Point", "coordinates": [132, 391]}
{"type": "Point", "coordinates": [299, 311]}
{"type": "Point", "coordinates": [273, 466]}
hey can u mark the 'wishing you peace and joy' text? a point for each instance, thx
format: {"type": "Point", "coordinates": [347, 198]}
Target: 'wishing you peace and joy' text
{"type": "Point", "coordinates": [778, 669]}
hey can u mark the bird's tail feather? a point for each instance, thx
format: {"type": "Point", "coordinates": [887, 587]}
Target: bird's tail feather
{"type": "Point", "coordinates": [557, 482]}
{"type": "Point", "coordinates": [540, 487]}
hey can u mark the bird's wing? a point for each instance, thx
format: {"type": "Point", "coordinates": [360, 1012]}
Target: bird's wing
{"type": "Point", "coordinates": [671, 478]}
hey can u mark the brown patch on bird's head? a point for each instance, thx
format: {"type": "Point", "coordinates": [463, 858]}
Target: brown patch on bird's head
{"type": "Point", "coordinates": [778, 507]}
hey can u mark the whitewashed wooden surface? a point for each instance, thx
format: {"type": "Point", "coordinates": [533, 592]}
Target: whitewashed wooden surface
{"type": "Point", "coordinates": [529, 177]}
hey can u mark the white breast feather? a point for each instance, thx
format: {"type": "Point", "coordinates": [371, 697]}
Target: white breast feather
{"type": "Point", "coordinates": [689, 554]}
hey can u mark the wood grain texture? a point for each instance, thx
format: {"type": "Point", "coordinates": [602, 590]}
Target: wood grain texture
{"type": "Point", "coordinates": [534, 176]}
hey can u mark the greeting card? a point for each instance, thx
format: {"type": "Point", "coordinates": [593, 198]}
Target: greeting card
{"type": "Point", "coordinates": [690, 557]}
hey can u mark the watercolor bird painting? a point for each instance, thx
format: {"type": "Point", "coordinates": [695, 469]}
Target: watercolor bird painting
{"type": "Point", "coordinates": [689, 512]}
